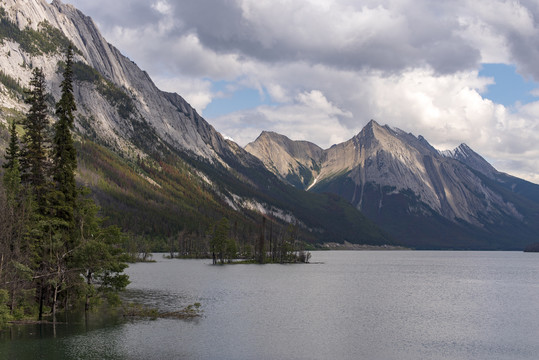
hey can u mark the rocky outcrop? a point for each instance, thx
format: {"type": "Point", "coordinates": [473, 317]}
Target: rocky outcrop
{"type": "Point", "coordinates": [466, 155]}
{"type": "Point", "coordinates": [295, 161]}
{"type": "Point", "coordinates": [173, 120]}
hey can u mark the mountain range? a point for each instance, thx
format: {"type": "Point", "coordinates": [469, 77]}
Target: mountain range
{"type": "Point", "coordinates": [161, 171]}
{"type": "Point", "coordinates": [155, 166]}
{"type": "Point", "coordinates": [421, 196]}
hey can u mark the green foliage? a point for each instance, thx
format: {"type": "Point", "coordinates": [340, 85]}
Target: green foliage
{"type": "Point", "coordinates": [220, 239]}
{"type": "Point", "coordinates": [46, 40]}
{"type": "Point", "coordinates": [83, 72]}
{"type": "Point", "coordinates": [64, 153]}
{"type": "Point", "coordinates": [115, 95]}
{"type": "Point", "coordinates": [11, 83]}
{"type": "Point", "coordinates": [13, 115]}
{"type": "Point", "coordinates": [35, 142]}
{"type": "Point", "coordinates": [12, 174]}
{"type": "Point", "coordinates": [117, 98]}
{"type": "Point", "coordinates": [231, 249]}
{"type": "Point", "coordinates": [53, 243]}
{"type": "Point", "coordinates": [5, 314]}
{"type": "Point", "coordinates": [178, 202]}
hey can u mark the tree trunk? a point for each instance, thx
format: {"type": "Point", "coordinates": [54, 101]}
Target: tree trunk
{"type": "Point", "coordinates": [41, 298]}
{"type": "Point", "coordinates": [261, 242]}
{"type": "Point", "coordinates": [272, 253]}
{"type": "Point", "coordinates": [89, 283]}
{"type": "Point", "coordinates": [55, 296]}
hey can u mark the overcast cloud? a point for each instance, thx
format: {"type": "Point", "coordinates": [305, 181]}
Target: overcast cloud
{"type": "Point", "coordinates": [331, 66]}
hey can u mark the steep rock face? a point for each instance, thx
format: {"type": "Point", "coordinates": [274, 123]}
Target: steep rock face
{"type": "Point", "coordinates": [157, 134]}
{"type": "Point", "coordinates": [397, 178]}
{"type": "Point", "coordinates": [466, 155]}
{"type": "Point", "coordinates": [295, 161]}
{"type": "Point", "coordinates": [394, 159]}
{"type": "Point", "coordinates": [169, 115]}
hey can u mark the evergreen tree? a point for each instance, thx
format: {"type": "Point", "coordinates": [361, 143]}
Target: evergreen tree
{"type": "Point", "coordinates": [12, 176]}
{"type": "Point", "coordinates": [13, 150]}
{"type": "Point", "coordinates": [219, 239]}
{"type": "Point", "coordinates": [35, 166]}
{"type": "Point", "coordinates": [52, 242]}
{"type": "Point", "coordinates": [64, 152]}
{"type": "Point", "coordinates": [99, 255]}
{"type": "Point", "coordinates": [34, 158]}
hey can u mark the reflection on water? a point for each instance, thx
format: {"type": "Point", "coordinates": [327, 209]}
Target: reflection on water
{"type": "Point", "coordinates": [350, 305]}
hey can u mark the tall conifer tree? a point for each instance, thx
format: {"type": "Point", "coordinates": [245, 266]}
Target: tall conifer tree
{"type": "Point", "coordinates": [12, 177]}
{"type": "Point", "coordinates": [35, 166]}
{"type": "Point", "coordinates": [34, 159]}
{"type": "Point", "coordinates": [12, 151]}
{"type": "Point", "coordinates": [64, 152]}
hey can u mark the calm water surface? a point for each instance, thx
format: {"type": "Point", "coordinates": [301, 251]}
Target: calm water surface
{"type": "Point", "coordinates": [345, 305]}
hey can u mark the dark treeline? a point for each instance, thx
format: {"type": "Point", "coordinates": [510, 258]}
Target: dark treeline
{"type": "Point", "coordinates": [54, 250]}
{"type": "Point", "coordinates": [269, 243]}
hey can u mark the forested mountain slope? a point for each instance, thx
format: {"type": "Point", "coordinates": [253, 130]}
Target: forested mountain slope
{"type": "Point", "coordinates": [155, 165]}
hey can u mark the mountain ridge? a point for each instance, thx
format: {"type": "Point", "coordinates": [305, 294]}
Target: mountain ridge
{"type": "Point", "coordinates": [138, 142]}
{"type": "Point", "coordinates": [384, 171]}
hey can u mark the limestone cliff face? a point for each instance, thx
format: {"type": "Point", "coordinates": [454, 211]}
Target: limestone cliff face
{"type": "Point", "coordinates": [172, 119]}
{"type": "Point", "coordinates": [120, 107]}
{"type": "Point", "coordinates": [394, 162]}
{"type": "Point", "coordinates": [296, 161]}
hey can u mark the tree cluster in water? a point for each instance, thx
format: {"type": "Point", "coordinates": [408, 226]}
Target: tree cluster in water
{"type": "Point", "coordinates": [226, 245]}
{"type": "Point", "coordinates": [54, 250]}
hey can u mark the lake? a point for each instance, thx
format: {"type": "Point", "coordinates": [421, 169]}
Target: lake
{"type": "Point", "coordinates": [344, 305]}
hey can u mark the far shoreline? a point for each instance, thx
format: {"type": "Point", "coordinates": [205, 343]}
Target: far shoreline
{"type": "Point", "coordinates": [362, 247]}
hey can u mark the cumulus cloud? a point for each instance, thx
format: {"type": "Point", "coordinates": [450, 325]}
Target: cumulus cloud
{"type": "Point", "coordinates": [330, 66]}
{"type": "Point", "coordinates": [309, 116]}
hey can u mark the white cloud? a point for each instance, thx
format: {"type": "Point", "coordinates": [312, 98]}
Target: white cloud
{"type": "Point", "coordinates": [332, 65]}
{"type": "Point", "coordinates": [163, 7]}
{"type": "Point", "coordinates": [197, 92]}
{"type": "Point", "coordinates": [309, 117]}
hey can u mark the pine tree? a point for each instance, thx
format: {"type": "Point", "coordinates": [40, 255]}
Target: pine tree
{"type": "Point", "coordinates": [13, 149]}
{"type": "Point", "coordinates": [34, 162]}
{"type": "Point", "coordinates": [12, 176]}
{"type": "Point", "coordinates": [64, 152]}
{"type": "Point", "coordinates": [219, 239]}
{"type": "Point", "coordinates": [35, 169]}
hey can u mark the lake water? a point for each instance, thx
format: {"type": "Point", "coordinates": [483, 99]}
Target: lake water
{"type": "Point", "coordinates": [344, 305]}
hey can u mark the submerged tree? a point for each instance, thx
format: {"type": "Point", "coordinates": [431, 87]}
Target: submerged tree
{"type": "Point", "coordinates": [219, 240]}
{"type": "Point", "coordinates": [99, 255]}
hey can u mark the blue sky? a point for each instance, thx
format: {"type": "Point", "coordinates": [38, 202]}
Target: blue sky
{"type": "Point", "coordinates": [509, 87]}
{"type": "Point", "coordinates": [233, 97]}
{"type": "Point", "coordinates": [326, 67]}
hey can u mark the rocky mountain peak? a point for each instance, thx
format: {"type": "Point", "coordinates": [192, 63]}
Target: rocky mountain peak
{"type": "Point", "coordinates": [382, 164]}
{"type": "Point", "coordinates": [295, 161]}
{"type": "Point", "coordinates": [466, 155]}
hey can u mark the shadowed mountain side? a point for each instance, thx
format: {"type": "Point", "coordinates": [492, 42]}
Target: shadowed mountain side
{"type": "Point", "coordinates": [423, 197]}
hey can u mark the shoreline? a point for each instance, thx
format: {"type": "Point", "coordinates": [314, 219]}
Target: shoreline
{"type": "Point", "coordinates": [363, 247]}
